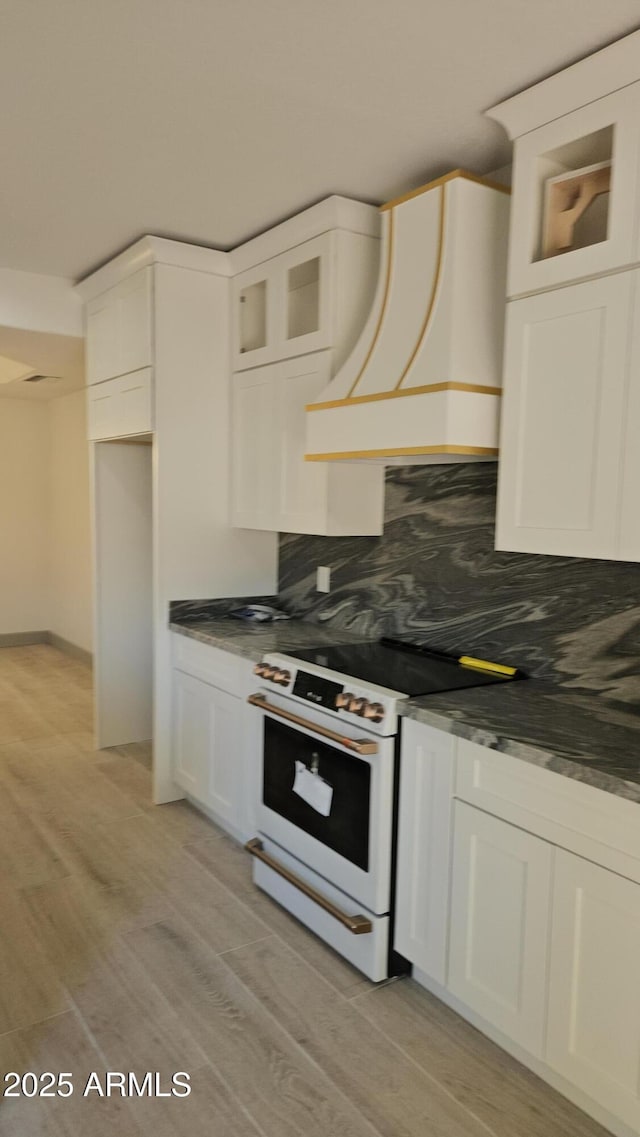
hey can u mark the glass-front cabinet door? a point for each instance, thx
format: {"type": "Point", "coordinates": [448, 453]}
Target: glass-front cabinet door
{"type": "Point", "coordinates": [281, 308]}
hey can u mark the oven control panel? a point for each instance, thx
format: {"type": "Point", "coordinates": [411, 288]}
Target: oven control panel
{"type": "Point", "coordinates": [315, 689]}
{"type": "Point", "coordinates": [318, 687]}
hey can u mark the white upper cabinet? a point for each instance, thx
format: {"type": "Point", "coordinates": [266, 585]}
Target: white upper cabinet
{"type": "Point", "coordinates": [294, 303]}
{"type": "Point", "coordinates": [563, 422]}
{"type": "Point", "coordinates": [119, 328]}
{"type": "Point", "coordinates": [571, 409]}
{"type": "Point", "coordinates": [574, 208]}
{"type": "Point", "coordinates": [300, 298]}
{"type": "Point", "coordinates": [273, 487]}
{"type": "Point", "coordinates": [628, 548]}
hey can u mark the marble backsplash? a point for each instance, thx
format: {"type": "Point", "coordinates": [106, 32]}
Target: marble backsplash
{"type": "Point", "coordinates": [435, 576]}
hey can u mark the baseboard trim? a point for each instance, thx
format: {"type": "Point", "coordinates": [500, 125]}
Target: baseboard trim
{"type": "Point", "coordinates": [24, 639]}
{"type": "Point", "coordinates": [69, 648]}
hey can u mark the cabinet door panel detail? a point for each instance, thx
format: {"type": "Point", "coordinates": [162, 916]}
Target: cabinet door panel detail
{"type": "Point", "coordinates": [224, 754]}
{"type": "Point", "coordinates": [499, 923]}
{"type": "Point", "coordinates": [302, 485]}
{"type": "Point", "coordinates": [190, 733]}
{"type": "Point", "coordinates": [121, 406]}
{"type": "Point", "coordinates": [119, 329]}
{"type": "Point", "coordinates": [103, 349]}
{"type": "Point", "coordinates": [255, 454]}
{"type": "Point", "coordinates": [562, 424]}
{"type": "Point", "coordinates": [135, 321]}
{"type": "Point", "coordinates": [629, 544]}
{"type": "Point", "coordinates": [594, 997]}
{"type": "Point", "coordinates": [424, 831]}
{"type": "Point", "coordinates": [561, 373]}
{"type": "Point", "coordinates": [208, 745]}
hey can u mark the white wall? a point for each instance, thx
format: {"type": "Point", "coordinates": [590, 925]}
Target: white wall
{"type": "Point", "coordinates": [70, 614]}
{"type": "Point", "coordinates": [45, 549]}
{"type": "Point", "coordinates": [24, 516]}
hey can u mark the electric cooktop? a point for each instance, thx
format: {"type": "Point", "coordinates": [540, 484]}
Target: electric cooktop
{"type": "Point", "coordinates": [412, 668]}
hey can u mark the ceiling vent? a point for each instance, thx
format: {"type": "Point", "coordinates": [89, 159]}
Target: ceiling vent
{"type": "Point", "coordinates": [41, 379]}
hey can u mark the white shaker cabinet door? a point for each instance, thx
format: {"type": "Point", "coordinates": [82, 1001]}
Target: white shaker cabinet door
{"type": "Point", "coordinates": [119, 328]}
{"type": "Point", "coordinates": [191, 733]}
{"type": "Point", "coordinates": [499, 931]}
{"type": "Point", "coordinates": [302, 487]}
{"type": "Point", "coordinates": [565, 375]}
{"type": "Point", "coordinates": [255, 450]}
{"type": "Point", "coordinates": [134, 295]}
{"type": "Point", "coordinates": [593, 1033]}
{"type": "Point", "coordinates": [208, 746]}
{"type": "Point", "coordinates": [629, 538]}
{"type": "Point", "coordinates": [424, 835]}
{"type": "Point", "coordinates": [103, 338]}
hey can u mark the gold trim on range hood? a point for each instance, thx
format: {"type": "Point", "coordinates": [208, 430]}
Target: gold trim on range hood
{"type": "Point", "coordinates": [337, 440]}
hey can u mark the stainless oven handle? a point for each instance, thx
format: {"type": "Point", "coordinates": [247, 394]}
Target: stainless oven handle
{"type": "Point", "coordinates": [358, 745]}
{"type": "Point", "coordinates": [357, 925]}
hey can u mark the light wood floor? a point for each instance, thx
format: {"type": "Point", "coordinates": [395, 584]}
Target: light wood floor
{"type": "Point", "coordinates": [131, 938]}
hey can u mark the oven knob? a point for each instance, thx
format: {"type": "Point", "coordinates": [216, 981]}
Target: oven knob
{"type": "Point", "coordinates": [260, 668]}
{"type": "Point", "coordinates": [269, 672]}
{"type": "Point", "coordinates": [357, 706]}
{"type": "Point", "coordinates": [374, 711]}
{"type": "Point", "coordinates": [282, 677]}
{"type": "Point", "coordinates": [343, 700]}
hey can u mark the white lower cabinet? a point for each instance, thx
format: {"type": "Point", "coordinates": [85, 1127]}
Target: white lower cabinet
{"type": "Point", "coordinates": [424, 831]}
{"type": "Point", "coordinates": [501, 880]}
{"type": "Point", "coordinates": [512, 920]}
{"type": "Point", "coordinates": [208, 746]}
{"type": "Point", "coordinates": [121, 406]}
{"type": "Point", "coordinates": [273, 487]}
{"type": "Point", "coordinates": [593, 1036]}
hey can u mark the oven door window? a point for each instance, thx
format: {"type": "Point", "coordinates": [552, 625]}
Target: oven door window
{"type": "Point", "coordinates": [346, 828]}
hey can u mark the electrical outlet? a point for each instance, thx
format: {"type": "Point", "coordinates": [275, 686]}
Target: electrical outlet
{"type": "Point", "coordinates": [323, 578]}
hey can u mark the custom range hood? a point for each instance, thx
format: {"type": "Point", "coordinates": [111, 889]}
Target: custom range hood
{"type": "Point", "coordinates": [423, 381]}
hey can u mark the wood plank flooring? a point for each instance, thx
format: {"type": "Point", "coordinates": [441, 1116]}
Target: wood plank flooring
{"type": "Point", "coordinates": [132, 938]}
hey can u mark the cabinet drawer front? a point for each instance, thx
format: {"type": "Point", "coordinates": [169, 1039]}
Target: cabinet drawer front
{"type": "Point", "coordinates": [101, 414]}
{"type": "Point", "coordinates": [121, 407]}
{"type": "Point", "coordinates": [560, 809]}
{"type": "Point", "coordinates": [220, 668]}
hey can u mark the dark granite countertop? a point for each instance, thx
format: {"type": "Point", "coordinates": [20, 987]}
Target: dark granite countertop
{"type": "Point", "coordinates": [253, 640]}
{"type": "Point", "coordinates": [571, 732]}
{"type": "Point", "coordinates": [575, 733]}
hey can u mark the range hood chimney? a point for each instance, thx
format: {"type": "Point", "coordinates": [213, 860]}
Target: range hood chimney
{"type": "Point", "coordinates": [423, 381]}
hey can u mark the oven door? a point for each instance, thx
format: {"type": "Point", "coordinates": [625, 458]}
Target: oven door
{"type": "Point", "coordinates": [327, 797]}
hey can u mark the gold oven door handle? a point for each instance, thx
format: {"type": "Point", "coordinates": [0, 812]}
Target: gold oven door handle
{"type": "Point", "coordinates": [357, 925]}
{"type": "Point", "coordinates": [358, 745]}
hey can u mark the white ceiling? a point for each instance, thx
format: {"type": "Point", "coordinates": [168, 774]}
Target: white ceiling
{"type": "Point", "coordinates": [211, 120]}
